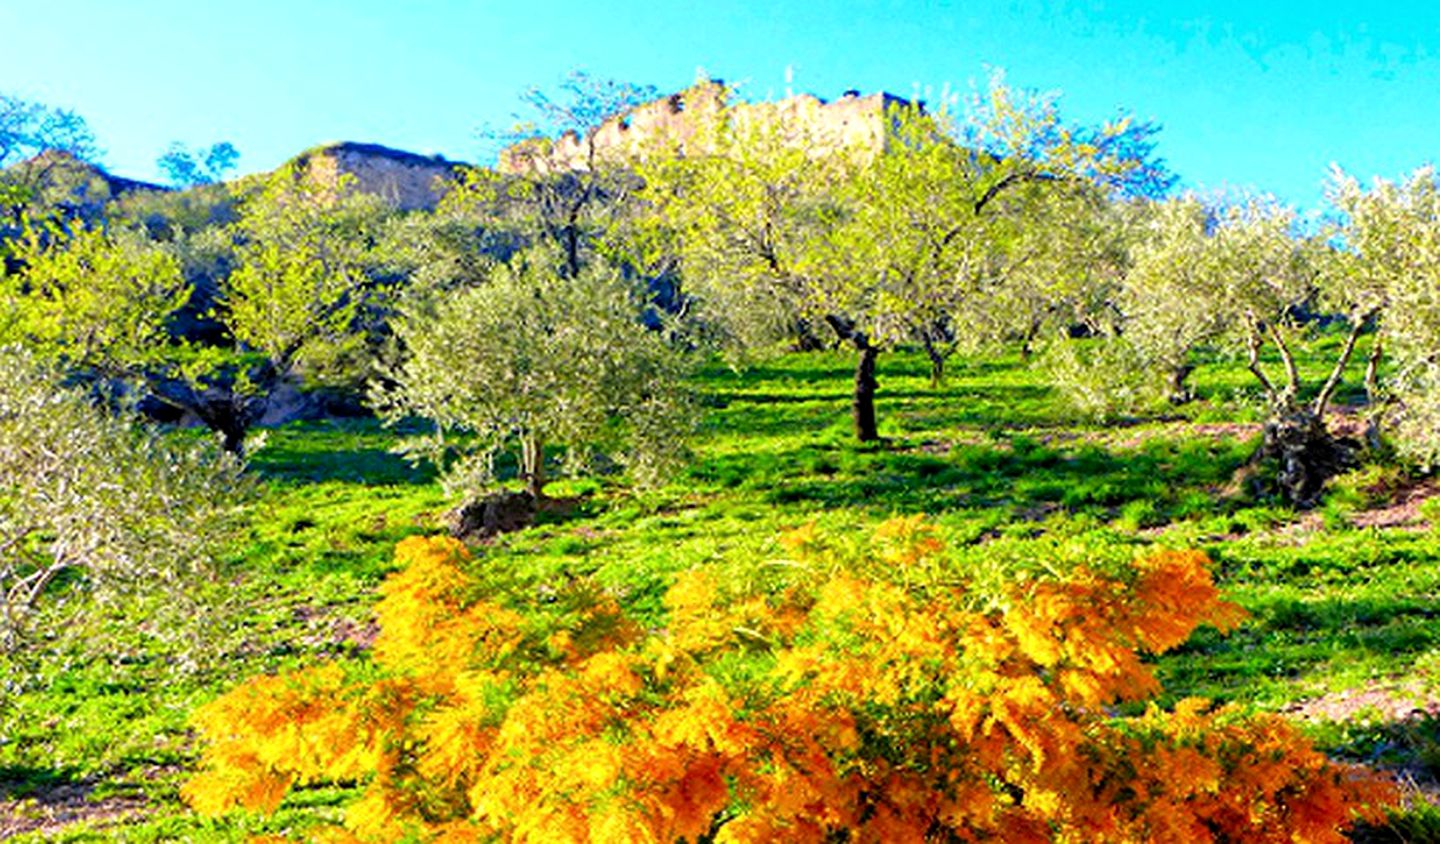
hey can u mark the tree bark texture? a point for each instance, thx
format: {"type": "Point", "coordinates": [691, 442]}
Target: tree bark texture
{"type": "Point", "coordinates": [1305, 454]}
{"type": "Point", "coordinates": [532, 465]}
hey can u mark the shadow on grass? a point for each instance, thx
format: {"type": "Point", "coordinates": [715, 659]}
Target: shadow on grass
{"type": "Point", "coordinates": [1168, 479]}
{"type": "Point", "coordinates": [44, 785]}
{"type": "Point", "coordinates": [348, 450]}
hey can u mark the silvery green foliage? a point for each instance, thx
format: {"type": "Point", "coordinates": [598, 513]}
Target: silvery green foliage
{"type": "Point", "coordinates": [1391, 235]}
{"type": "Point", "coordinates": [93, 503]}
{"type": "Point", "coordinates": [1416, 420]}
{"type": "Point", "coordinates": [1103, 377]}
{"type": "Point", "coordinates": [530, 357]}
{"type": "Point", "coordinates": [1167, 299]}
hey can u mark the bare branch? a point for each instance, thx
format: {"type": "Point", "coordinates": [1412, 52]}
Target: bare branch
{"type": "Point", "coordinates": [1331, 383]}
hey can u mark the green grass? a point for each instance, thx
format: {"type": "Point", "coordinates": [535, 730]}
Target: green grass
{"type": "Point", "coordinates": [1014, 480]}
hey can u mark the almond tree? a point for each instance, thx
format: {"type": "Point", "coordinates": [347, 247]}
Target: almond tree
{"type": "Point", "coordinates": [782, 220]}
{"type": "Point", "coordinates": [294, 298]}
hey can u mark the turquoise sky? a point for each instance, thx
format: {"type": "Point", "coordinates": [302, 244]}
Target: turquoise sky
{"type": "Point", "coordinates": [1251, 94]}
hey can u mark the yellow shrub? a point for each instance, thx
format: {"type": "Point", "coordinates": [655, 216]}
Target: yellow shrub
{"type": "Point", "coordinates": [891, 710]}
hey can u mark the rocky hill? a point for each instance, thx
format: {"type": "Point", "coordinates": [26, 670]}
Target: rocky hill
{"type": "Point", "coordinates": [404, 179]}
{"type": "Point", "coordinates": [60, 180]}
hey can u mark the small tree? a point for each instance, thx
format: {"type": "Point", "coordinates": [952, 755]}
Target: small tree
{"type": "Point", "coordinates": [554, 182]}
{"type": "Point", "coordinates": [51, 144]}
{"type": "Point", "coordinates": [1166, 308]}
{"type": "Point", "coordinates": [28, 128]}
{"type": "Point", "coordinates": [293, 294]}
{"type": "Point", "coordinates": [532, 357]}
{"type": "Point", "coordinates": [92, 494]}
{"type": "Point", "coordinates": [188, 168]}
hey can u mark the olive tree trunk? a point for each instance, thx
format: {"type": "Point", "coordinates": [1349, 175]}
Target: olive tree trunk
{"type": "Point", "coordinates": [532, 465]}
{"type": "Point", "coordinates": [1304, 453]}
{"type": "Point", "coordinates": [862, 405]}
{"type": "Point", "coordinates": [1296, 438]}
{"type": "Point", "coordinates": [1177, 387]}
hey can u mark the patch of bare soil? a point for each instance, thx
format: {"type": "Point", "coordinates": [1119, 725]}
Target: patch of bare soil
{"type": "Point", "coordinates": [1188, 430]}
{"type": "Point", "coordinates": [57, 807]}
{"type": "Point", "coordinates": [1403, 509]}
{"type": "Point", "coordinates": [1393, 702]}
{"type": "Point", "coordinates": [1405, 709]}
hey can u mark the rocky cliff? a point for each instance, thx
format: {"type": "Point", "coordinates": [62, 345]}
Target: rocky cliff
{"type": "Point", "coordinates": [674, 121]}
{"type": "Point", "coordinates": [404, 179]}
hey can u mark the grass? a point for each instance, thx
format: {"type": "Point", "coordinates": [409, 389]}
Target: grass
{"type": "Point", "coordinates": [1013, 479]}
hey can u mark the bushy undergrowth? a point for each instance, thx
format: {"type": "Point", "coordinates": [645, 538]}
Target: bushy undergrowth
{"type": "Point", "coordinates": [862, 695]}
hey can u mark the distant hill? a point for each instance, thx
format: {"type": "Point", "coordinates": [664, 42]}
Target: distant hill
{"type": "Point", "coordinates": [59, 180]}
{"type": "Point", "coordinates": [404, 179]}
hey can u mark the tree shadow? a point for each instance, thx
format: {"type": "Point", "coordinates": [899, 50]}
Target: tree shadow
{"type": "Point", "coordinates": [345, 450]}
{"type": "Point", "coordinates": [1018, 474]}
{"type": "Point", "coordinates": [43, 785]}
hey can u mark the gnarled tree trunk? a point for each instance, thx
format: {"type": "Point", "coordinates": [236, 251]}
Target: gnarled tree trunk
{"type": "Point", "coordinates": [1177, 390]}
{"type": "Point", "coordinates": [1305, 453]}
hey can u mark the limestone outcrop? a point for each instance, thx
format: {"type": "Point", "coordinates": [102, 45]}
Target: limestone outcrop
{"type": "Point", "coordinates": [677, 121]}
{"type": "Point", "coordinates": [406, 180]}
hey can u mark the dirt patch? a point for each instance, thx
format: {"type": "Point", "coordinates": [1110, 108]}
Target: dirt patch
{"type": "Point", "coordinates": [1403, 510]}
{"type": "Point", "coordinates": [1188, 430]}
{"type": "Point", "coordinates": [61, 806]}
{"type": "Point", "coordinates": [1394, 702]}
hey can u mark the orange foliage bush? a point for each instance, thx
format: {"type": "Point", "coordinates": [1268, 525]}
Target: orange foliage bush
{"type": "Point", "coordinates": [873, 707]}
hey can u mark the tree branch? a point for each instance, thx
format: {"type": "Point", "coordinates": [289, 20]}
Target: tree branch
{"type": "Point", "coordinates": [1253, 343]}
{"type": "Point", "coordinates": [1009, 180]}
{"type": "Point", "coordinates": [1292, 372]}
{"type": "Point", "coordinates": [1333, 381]}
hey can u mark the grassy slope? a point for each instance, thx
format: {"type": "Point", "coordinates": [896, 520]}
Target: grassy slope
{"type": "Point", "coordinates": [992, 457]}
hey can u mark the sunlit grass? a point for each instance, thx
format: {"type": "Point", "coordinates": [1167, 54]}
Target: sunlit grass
{"type": "Point", "coordinates": [1013, 479]}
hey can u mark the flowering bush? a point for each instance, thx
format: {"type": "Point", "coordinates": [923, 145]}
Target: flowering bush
{"type": "Point", "coordinates": [871, 699]}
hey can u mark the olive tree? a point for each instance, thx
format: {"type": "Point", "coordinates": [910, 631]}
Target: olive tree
{"type": "Point", "coordinates": [1240, 275]}
{"type": "Point", "coordinates": [94, 499]}
{"type": "Point", "coordinates": [533, 357]}
{"type": "Point", "coordinates": [1389, 236]}
{"type": "Point", "coordinates": [1165, 297]}
{"type": "Point", "coordinates": [907, 235]}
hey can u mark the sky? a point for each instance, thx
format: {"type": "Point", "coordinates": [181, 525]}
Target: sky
{"type": "Point", "coordinates": [1253, 95]}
